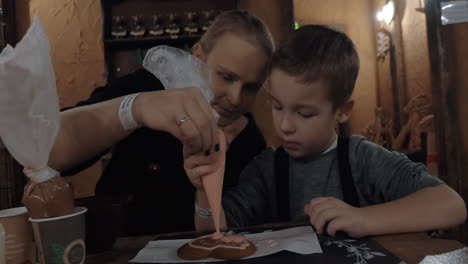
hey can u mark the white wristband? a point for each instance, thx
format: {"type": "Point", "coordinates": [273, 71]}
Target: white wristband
{"type": "Point", "coordinates": [125, 112]}
{"type": "Point", "coordinates": [203, 213]}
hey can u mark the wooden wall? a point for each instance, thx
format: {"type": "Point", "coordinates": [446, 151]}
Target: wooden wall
{"type": "Point", "coordinates": [354, 17]}
{"type": "Point", "coordinates": [449, 69]}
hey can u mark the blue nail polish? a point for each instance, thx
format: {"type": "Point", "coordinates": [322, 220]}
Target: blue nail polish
{"type": "Point", "coordinates": [216, 148]}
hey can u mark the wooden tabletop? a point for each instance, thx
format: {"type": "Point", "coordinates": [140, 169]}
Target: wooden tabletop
{"type": "Point", "coordinates": [411, 248]}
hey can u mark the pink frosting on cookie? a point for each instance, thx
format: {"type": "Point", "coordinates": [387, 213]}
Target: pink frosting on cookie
{"type": "Point", "coordinates": [231, 238]}
{"type": "Point", "coordinates": [228, 238]}
{"type": "Point", "coordinates": [217, 235]}
{"type": "Point", "coordinates": [225, 241]}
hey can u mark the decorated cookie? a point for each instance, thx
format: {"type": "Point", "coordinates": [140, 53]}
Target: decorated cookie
{"type": "Point", "coordinates": [225, 247]}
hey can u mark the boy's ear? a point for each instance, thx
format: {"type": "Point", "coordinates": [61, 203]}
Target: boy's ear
{"type": "Point", "coordinates": [197, 51]}
{"type": "Point", "coordinates": [344, 112]}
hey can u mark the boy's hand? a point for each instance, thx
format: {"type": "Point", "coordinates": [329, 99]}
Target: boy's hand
{"type": "Point", "coordinates": [339, 216]}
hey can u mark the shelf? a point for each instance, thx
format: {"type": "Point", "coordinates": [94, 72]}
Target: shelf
{"type": "Point", "coordinates": [122, 55]}
{"type": "Point", "coordinates": [150, 41]}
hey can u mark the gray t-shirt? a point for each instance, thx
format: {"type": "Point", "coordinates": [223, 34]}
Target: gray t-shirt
{"type": "Point", "coordinates": [379, 175]}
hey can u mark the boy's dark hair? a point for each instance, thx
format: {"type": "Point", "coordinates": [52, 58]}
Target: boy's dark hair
{"type": "Point", "coordinates": [316, 53]}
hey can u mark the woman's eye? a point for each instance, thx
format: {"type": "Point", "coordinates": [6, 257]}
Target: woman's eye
{"type": "Point", "coordinates": [226, 77]}
{"type": "Point", "coordinates": [251, 88]}
{"type": "Point", "coordinates": [305, 115]}
{"type": "Point", "coordinates": [277, 107]}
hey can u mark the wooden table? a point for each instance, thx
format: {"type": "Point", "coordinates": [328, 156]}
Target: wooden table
{"type": "Point", "coordinates": [411, 247]}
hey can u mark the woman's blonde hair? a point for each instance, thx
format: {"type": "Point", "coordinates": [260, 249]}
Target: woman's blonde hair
{"type": "Point", "coordinates": [241, 23]}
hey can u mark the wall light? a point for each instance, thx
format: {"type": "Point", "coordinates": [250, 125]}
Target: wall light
{"type": "Point", "coordinates": [380, 16]}
{"type": "Point", "coordinates": [387, 13]}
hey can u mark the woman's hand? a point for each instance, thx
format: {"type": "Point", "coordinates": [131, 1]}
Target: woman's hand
{"type": "Point", "coordinates": [336, 215]}
{"type": "Point", "coordinates": [183, 112]}
{"type": "Point", "coordinates": [199, 165]}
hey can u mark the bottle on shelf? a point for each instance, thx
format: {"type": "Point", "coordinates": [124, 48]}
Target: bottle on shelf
{"type": "Point", "coordinates": [119, 27]}
{"type": "Point", "coordinates": [137, 27]}
{"type": "Point", "coordinates": [191, 26]}
{"type": "Point", "coordinates": [173, 28]}
{"type": "Point", "coordinates": [156, 29]}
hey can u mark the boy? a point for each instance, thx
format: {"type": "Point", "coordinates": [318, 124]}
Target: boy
{"type": "Point", "coordinates": [338, 184]}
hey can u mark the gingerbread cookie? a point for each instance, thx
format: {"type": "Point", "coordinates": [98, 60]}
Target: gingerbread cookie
{"type": "Point", "coordinates": [225, 247]}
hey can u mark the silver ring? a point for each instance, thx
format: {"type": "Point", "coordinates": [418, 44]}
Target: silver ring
{"type": "Point", "coordinates": [183, 120]}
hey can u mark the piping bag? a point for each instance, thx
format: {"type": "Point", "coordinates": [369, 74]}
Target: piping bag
{"type": "Point", "coordinates": [176, 68]}
{"type": "Point", "coordinates": [213, 183]}
{"type": "Point", "coordinates": [29, 121]}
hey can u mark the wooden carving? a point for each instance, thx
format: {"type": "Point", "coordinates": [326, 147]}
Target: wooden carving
{"type": "Point", "coordinates": [418, 121]}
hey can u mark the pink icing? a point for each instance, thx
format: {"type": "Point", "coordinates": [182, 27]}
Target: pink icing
{"type": "Point", "coordinates": [217, 235]}
{"type": "Point", "coordinates": [228, 241]}
{"type": "Point", "coordinates": [230, 238]}
{"type": "Point", "coordinates": [213, 182]}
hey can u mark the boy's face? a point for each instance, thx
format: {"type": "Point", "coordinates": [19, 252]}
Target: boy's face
{"type": "Point", "coordinates": [303, 115]}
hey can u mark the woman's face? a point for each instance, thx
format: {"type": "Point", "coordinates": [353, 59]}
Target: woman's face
{"type": "Point", "coordinates": [238, 69]}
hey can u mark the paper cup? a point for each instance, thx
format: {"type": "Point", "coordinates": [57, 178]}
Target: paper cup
{"type": "Point", "coordinates": [19, 244]}
{"type": "Point", "coordinates": [61, 239]}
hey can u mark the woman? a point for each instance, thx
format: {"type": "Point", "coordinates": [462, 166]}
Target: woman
{"type": "Point", "coordinates": [146, 173]}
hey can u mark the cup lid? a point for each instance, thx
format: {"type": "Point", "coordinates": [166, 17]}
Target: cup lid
{"type": "Point", "coordinates": [13, 211]}
{"type": "Point", "coordinates": [78, 210]}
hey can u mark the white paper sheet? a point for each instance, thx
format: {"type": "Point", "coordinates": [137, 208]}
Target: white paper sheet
{"type": "Point", "coordinates": [301, 240]}
{"type": "Point", "coordinates": [459, 256]}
